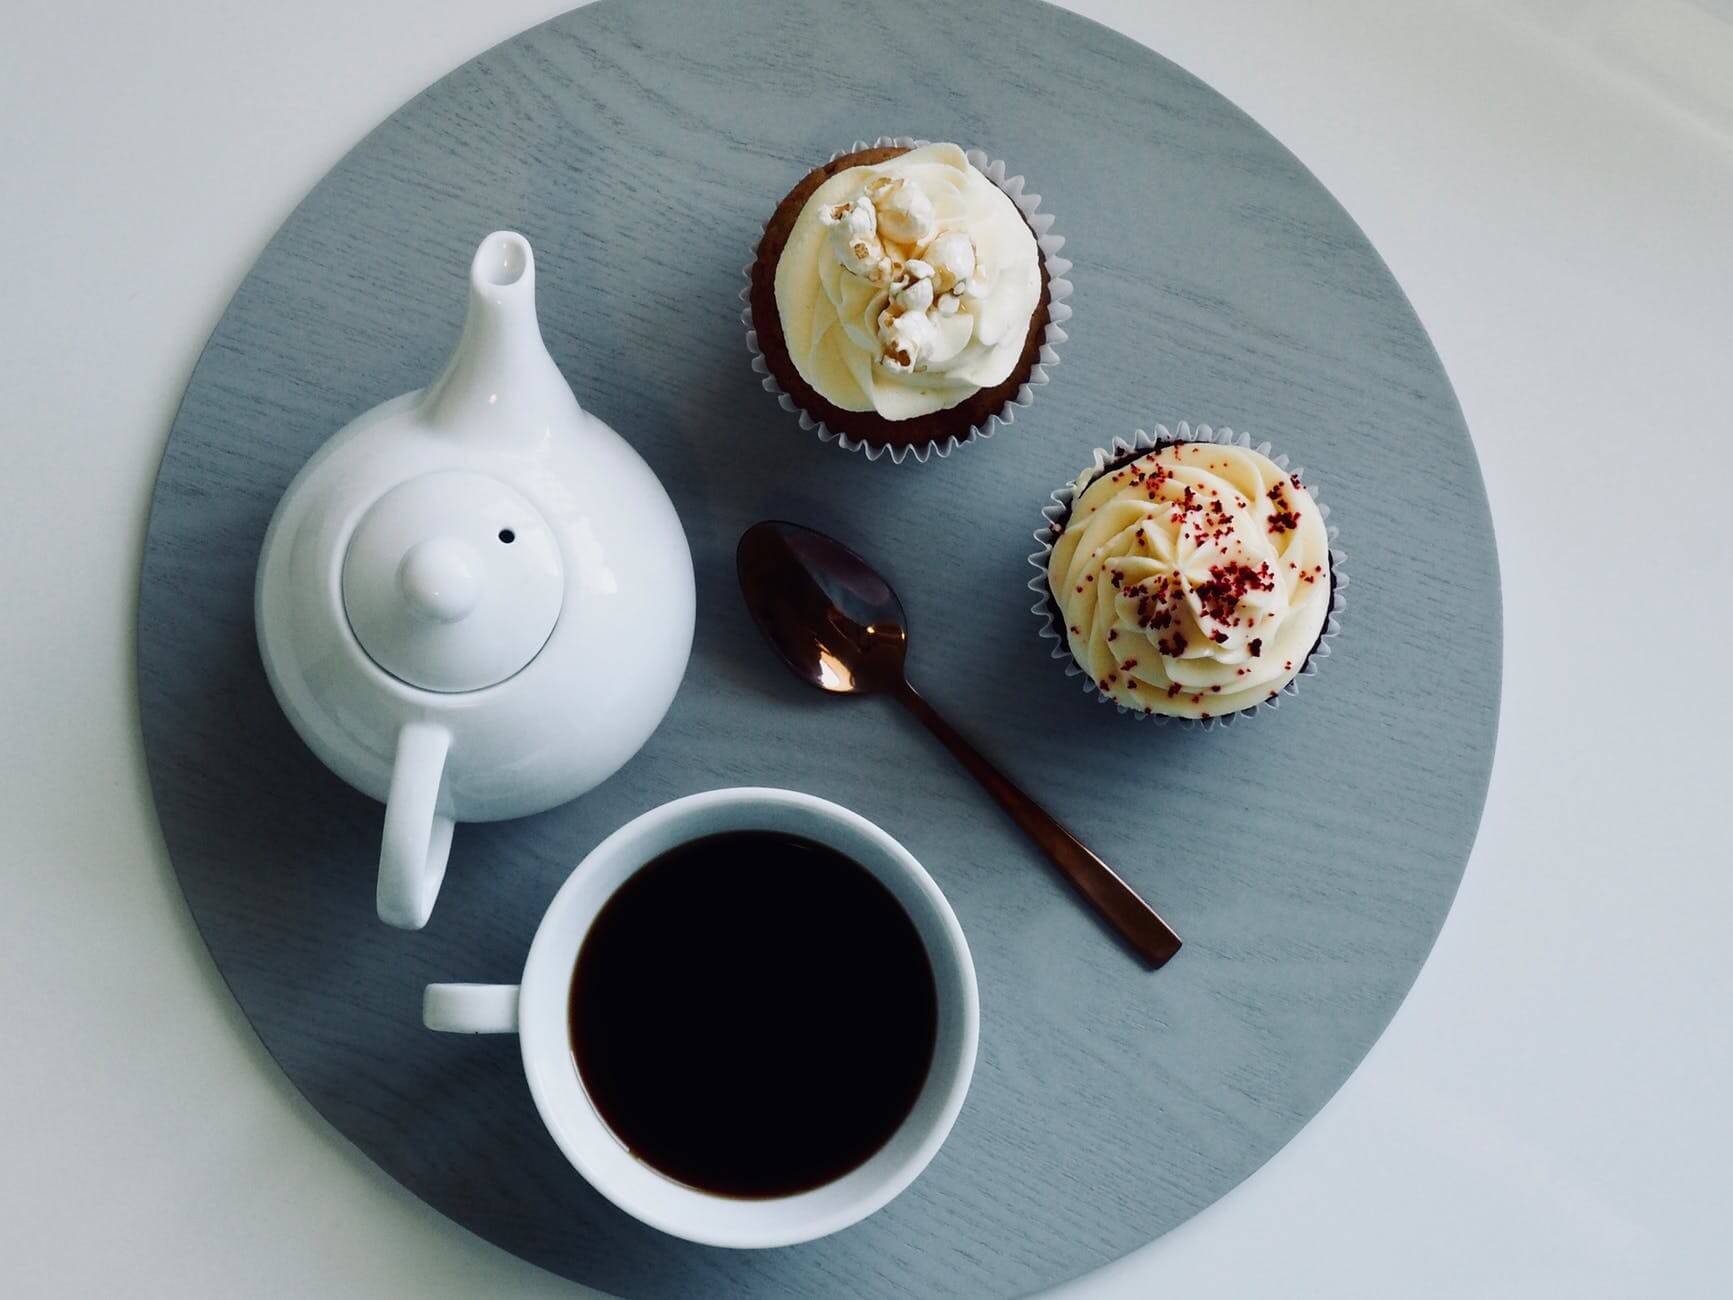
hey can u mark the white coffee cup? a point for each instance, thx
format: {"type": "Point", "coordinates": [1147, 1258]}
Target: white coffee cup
{"type": "Point", "coordinates": [536, 1010]}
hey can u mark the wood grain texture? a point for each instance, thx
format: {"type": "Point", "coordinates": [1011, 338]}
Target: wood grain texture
{"type": "Point", "coordinates": [1308, 858]}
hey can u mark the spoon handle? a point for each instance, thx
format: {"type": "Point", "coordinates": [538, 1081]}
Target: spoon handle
{"type": "Point", "coordinates": [1117, 902]}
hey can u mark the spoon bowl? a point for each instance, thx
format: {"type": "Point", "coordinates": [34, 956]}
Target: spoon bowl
{"type": "Point", "coordinates": [834, 621]}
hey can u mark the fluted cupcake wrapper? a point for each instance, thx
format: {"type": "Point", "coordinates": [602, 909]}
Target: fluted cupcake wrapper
{"type": "Point", "coordinates": [1059, 510]}
{"type": "Point", "coordinates": [1058, 290]}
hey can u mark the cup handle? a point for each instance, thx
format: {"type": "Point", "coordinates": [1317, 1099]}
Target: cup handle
{"type": "Point", "coordinates": [417, 840]}
{"type": "Point", "coordinates": [470, 1008]}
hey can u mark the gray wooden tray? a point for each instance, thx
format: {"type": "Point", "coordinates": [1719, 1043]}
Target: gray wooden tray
{"type": "Point", "coordinates": [1308, 858]}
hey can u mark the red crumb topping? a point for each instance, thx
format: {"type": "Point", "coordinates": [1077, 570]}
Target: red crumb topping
{"type": "Point", "coordinates": [1229, 584]}
{"type": "Point", "coordinates": [1283, 517]}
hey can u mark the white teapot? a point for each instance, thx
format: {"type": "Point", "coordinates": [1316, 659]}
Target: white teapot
{"type": "Point", "coordinates": [475, 601]}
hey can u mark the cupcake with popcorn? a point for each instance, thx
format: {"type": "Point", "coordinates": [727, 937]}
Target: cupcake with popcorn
{"type": "Point", "coordinates": [1189, 575]}
{"type": "Point", "coordinates": [906, 298]}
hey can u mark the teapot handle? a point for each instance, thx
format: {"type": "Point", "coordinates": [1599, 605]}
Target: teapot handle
{"type": "Point", "coordinates": [417, 839]}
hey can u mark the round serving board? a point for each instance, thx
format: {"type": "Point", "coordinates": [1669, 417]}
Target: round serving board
{"type": "Point", "coordinates": [1308, 857]}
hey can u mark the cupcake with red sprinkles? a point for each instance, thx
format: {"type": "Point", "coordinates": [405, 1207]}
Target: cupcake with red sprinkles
{"type": "Point", "coordinates": [1189, 575]}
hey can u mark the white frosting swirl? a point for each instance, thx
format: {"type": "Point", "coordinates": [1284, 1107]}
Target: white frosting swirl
{"type": "Point", "coordinates": [908, 285]}
{"type": "Point", "coordinates": [1192, 581]}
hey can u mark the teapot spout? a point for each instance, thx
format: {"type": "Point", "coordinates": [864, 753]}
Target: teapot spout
{"type": "Point", "coordinates": [500, 367]}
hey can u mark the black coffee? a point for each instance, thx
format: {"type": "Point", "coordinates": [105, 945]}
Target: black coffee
{"type": "Point", "coordinates": [753, 1014]}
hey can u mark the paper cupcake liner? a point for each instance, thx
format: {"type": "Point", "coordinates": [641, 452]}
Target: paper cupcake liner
{"type": "Point", "coordinates": [1058, 511]}
{"type": "Point", "coordinates": [1058, 290]}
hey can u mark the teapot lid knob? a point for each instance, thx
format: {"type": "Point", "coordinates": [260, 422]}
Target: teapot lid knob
{"type": "Point", "coordinates": [441, 579]}
{"type": "Point", "coordinates": [452, 581]}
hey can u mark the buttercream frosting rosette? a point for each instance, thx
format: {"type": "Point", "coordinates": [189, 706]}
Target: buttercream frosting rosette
{"type": "Point", "coordinates": [906, 297]}
{"type": "Point", "coordinates": [1189, 576]}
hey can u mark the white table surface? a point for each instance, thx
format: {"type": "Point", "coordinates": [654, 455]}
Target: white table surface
{"type": "Point", "coordinates": [1548, 1115]}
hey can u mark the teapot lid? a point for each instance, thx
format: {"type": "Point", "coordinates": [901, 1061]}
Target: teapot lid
{"type": "Point", "coordinates": [452, 581]}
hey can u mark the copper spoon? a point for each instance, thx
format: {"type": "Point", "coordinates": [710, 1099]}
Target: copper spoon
{"type": "Point", "coordinates": [838, 625]}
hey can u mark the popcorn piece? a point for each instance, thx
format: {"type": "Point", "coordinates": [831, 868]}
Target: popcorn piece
{"type": "Point", "coordinates": [854, 215]}
{"type": "Point", "coordinates": [905, 213]}
{"type": "Point", "coordinates": [913, 289]}
{"type": "Point", "coordinates": [854, 237]}
{"type": "Point", "coordinates": [952, 256]}
{"type": "Point", "coordinates": [912, 295]}
{"type": "Point", "coordinates": [908, 341]}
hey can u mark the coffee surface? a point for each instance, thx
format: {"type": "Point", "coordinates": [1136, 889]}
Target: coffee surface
{"type": "Point", "coordinates": [753, 1014]}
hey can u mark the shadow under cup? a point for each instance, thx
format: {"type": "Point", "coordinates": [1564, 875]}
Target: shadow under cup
{"type": "Point", "coordinates": [600, 1155]}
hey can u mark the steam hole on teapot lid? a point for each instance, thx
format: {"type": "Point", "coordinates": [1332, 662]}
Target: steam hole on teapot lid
{"type": "Point", "coordinates": [507, 536]}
